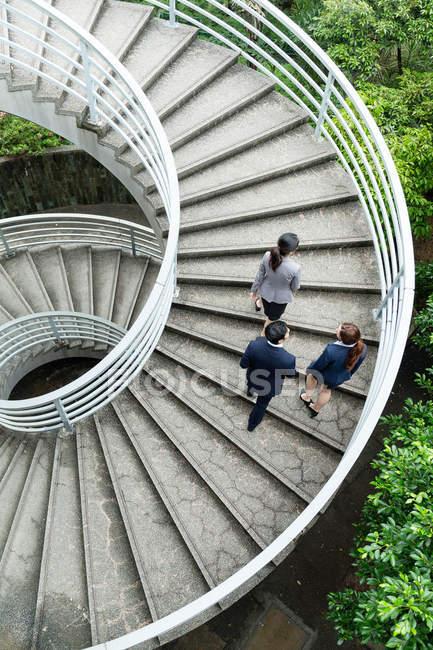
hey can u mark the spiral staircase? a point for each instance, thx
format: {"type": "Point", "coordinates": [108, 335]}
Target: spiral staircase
{"type": "Point", "coordinates": [159, 496]}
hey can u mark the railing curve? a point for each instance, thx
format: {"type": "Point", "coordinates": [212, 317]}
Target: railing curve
{"type": "Point", "coordinates": [110, 97]}
{"type": "Point", "coordinates": [269, 41]}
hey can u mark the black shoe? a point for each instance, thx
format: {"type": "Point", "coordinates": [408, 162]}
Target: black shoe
{"type": "Point", "coordinates": [256, 305]}
{"type": "Point", "coordinates": [313, 413]}
{"type": "Point", "coordinates": [303, 392]}
{"type": "Point", "coordinates": [250, 428]}
{"type": "Point", "coordinates": [249, 394]}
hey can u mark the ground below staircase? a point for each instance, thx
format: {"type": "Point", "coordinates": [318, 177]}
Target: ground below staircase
{"type": "Point", "coordinates": [163, 494]}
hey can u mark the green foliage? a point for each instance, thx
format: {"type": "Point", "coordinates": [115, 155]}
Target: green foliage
{"type": "Point", "coordinates": [393, 554]}
{"type": "Point", "coordinates": [424, 327]}
{"type": "Point", "coordinates": [18, 136]}
{"type": "Point", "coordinates": [358, 33]}
{"type": "Point", "coordinates": [424, 283]}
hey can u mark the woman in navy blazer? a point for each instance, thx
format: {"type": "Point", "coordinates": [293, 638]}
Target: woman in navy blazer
{"type": "Point", "coordinates": [337, 363]}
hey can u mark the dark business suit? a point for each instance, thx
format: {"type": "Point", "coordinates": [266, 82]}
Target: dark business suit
{"type": "Point", "coordinates": [330, 367]}
{"type": "Point", "coordinates": [267, 366]}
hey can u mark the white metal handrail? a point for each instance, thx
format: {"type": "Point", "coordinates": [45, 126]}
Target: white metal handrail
{"type": "Point", "coordinates": [19, 233]}
{"type": "Point", "coordinates": [100, 85]}
{"type": "Point", "coordinates": [268, 40]}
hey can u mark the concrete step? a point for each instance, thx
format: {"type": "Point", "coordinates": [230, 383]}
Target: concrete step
{"type": "Point", "coordinates": [238, 482]}
{"type": "Point", "coordinates": [131, 275]}
{"type": "Point", "coordinates": [8, 447]}
{"type": "Point", "coordinates": [302, 463]}
{"type": "Point", "coordinates": [193, 70]}
{"type": "Point", "coordinates": [85, 13]}
{"type": "Point", "coordinates": [105, 270]}
{"type": "Point", "coordinates": [130, 20]}
{"type": "Point", "coordinates": [21, 77]}
{"type": "Point", "coordinates": [285, 154]}
{"type": "Point", "coordinates": [116, 600]}
{"type": "Point", "coordinates": [228, 94]}
{"type": "Point", "coordinates": [62, 612]}
{"type": "Point", "coordinates": [335, 424]}
{"type": "Point", "coordinates": [168, 573]}
{"type": "Point", "coordinates": [350, 269]}
{"type": "Point", "coordinates": [233, 335]}
{"type": "Point", "coordinates": [11, 487]}
{"type": "Point", "coordinates": [345, 226]}
{"type": "Point", "coordinates": [21, 559]}
{"type": "Point", "coordinates": [157, 47]}
{"type": "Point", "coordinates": [79, 273]}
{"type": "Point", "coordinates": [11, 298]}
{"type": "Point", "coordinates": [51, 268]}
{"type": "Point", "coordinates": [207, 527]}
{"type": "Point", "coordinates": [145, 290]}
{"type": "Point", "coordinates": [311, 311]}
{"type": "Point", "coordinates": [24, 274]}
{"type": "Point", "coordinates": [304, 190]}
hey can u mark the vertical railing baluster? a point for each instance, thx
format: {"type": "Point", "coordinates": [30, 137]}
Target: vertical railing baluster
{"type": "Point", "coordinates": [172, 11]}
{"type": "Point", "coordinates": [89, 82]}
{"type": "Point", "coordinates": [63, 416]}
{"type": "Point", "coordinates": [9, 252]}
{"type": "Point", "coordinates": [134, 251]}
{"type": "Point", "coordinates": [324, 105]}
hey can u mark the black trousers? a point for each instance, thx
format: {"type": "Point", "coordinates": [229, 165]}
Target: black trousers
{"type": "Point", "coordinates": [256, 415]}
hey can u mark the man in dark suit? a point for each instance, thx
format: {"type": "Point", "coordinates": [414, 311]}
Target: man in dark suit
{"type": "Point", "coordinates": [267, 365]}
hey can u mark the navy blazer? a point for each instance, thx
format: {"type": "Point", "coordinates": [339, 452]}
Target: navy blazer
{"type": "Point", "coordinates": [267, 366]}
{"type": "Point", "coordinates": [331, 366]}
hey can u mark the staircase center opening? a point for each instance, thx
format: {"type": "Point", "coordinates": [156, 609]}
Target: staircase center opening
{"type": "Point", "coordinates": [51, 376]}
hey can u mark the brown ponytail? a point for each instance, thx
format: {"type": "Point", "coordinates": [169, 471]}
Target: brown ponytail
{"type": "Point", "coordinates": [350, 334]}
{"type": "Point", "coordinates": [275, 258]}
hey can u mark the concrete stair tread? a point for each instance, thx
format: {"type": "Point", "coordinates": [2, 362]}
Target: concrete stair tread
{"type": "Point", "coordinates": [288, 152]}
{"type": "Point", "coordinates": [62, 606]}
{"type": "Point", "coordinates": [305, 463]}
{"type": "Point", "coordinates": [207, 527]}
{"type": "Point", "coordinates": [130, 278]}
{"type": "Point", "coordinates": [147, 285]}
{"type": "Point", "coordinates": [293, 192]}
{"type": "Point", "coordinates": [56, 284]}
{"type": "Point", "coordinates": [162, 558]}
{"type": "Point", "coordinates": [85, 13]}
{"type": "Point", "coordinates": [105, 270]}
{"type": "Point", "coordinates": [343, 222]}
{"type": "Point", "coordinates": [11, 298]}
{"type": "Point", "coordinates": [335, 423]}
{"type": "Point", "coordinates": [240, 483]}
{"type": "Point", "coordinates": [22, 271]}
{"type": "Point", "coordinates": [319, 311]}
{"type": "Point", "coordinates": [130, 20]}
{"type": "Point", "coordinates": [20, 76]}
{"type": "Point", "coordinates": [156, 47]}
{"type": "Point", "coordinates": [78, 265]}
{"type": "Point", "coordinates": [116, 599]}
{"type": "Point", "coordinates": [337, 266]}
{"type": "Point", "coordinates": [238, 87]}
{"type": "Point", "coordinates": [8, 447]}
{"type": "Point", "coordinates": [234, 335]}
{"type": "Point", "coordinates": [20, 564]}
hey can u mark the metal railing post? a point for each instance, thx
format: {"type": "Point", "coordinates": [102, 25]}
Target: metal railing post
{"type": "Point", "coordinates": [377, 313]}
{"type": "Point", "coordinates": [89, 83]}
{"type": "Point", "coordinates": [324, 105]}
{"type": "Point", "coordinates": [9, 252]}
{"type": "Point", "coordinates": [63, 416]}
{"type": "Point", "coordinates": [134, 251]}
{"type": "Point", "coordinates": [59, 341]}
{"type": "Point", "coordinates": [172, 10]}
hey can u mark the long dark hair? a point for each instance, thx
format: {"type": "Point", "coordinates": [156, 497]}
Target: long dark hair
{"type": "Point", "coordinates": [287, 243]}
{"type": "Point", "coordinates": [350, 334]}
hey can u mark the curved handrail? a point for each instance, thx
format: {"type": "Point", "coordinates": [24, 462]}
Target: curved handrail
{"type": "Point", "coordinates": [112, 98]}
{"type": "Point", "coordinates": [333, 105]}
{"type": "Point", "coordinates": [339, 114]}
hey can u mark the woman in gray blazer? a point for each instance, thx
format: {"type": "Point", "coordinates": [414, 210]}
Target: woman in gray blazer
{"type": "Point", "coordinates": [277, 279]}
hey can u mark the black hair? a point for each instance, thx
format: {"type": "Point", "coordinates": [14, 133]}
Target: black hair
{"type": "Point", "coordinates": [287, 243]}
{"type": "Point", "coordinates": [276, 331]}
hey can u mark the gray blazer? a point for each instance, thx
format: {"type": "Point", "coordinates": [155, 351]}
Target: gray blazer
{"type": "Point", "coordinates": [277, 286]}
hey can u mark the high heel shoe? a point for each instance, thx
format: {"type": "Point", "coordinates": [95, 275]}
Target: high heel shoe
{"type": "Point", "coordinates": [256, 305]}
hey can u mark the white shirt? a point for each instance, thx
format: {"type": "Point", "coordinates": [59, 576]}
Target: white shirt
{"type": "Point", "coordinates": [276, 345]}
{"type": "Point", "coordinates": [345, 345]}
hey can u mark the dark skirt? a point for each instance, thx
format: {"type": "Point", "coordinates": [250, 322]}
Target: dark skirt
{"type": "Point", "coordinates": [273, 310]}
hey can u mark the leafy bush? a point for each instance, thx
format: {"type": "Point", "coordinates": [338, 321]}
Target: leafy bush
{"type": "Point", "coordinates": [424, 328]}
{"type": "Point", "coordinates": [424, 283]}
{"type": "Point", "coordinates": [18, 136]}
{"type": "Point", "coordinates": [394, 545]}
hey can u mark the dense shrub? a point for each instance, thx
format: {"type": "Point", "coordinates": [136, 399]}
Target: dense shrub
{"type": "Point", "coordinates": [393, 554]}
{"type": "Point", "coordinates": [18, 136]}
